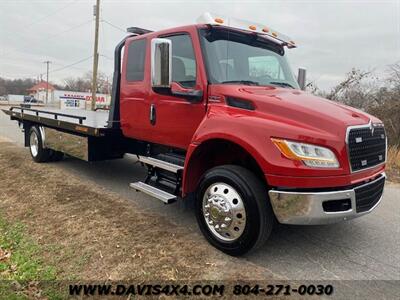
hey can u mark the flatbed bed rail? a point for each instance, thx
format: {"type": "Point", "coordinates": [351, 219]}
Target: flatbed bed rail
{"type": "Point", "coordinates": [87, 123]}
{"type": "Point", "coordinates": [55, 114]}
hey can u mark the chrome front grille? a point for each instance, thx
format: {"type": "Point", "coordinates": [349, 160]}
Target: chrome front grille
{"type": "Point", "coordinates": [366, 146]}
{"type": "Point", "coordinates": [367, 196]}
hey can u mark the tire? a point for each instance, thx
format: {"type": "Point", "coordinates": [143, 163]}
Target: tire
{"type": "Point", "coordinates": [38, 153]}
{"type": "Point", "coordinates": [251, 216]}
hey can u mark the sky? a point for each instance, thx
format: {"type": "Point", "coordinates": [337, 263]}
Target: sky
{"type": "Point", "coordinates": [332, 36]}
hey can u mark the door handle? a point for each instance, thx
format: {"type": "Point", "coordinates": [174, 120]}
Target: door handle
{"type": "Point", "coordinates": [152, 114]}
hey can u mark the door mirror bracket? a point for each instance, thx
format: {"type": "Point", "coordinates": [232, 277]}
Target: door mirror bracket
{"type": "Point", "coordinates": [191, 95]}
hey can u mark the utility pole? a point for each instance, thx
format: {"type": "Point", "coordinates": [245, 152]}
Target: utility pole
{"type": "Point", "coordinates": [47, 62]}
{"type": "Point", "coordinates": [96, 12]}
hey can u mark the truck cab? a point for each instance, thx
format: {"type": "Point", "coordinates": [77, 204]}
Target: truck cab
{"type": "Point", "coordinates": [226, 96]}
{"type": "Point", "coordinates": [214, 112]}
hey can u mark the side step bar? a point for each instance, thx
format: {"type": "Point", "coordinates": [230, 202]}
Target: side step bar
{"type": "Point", "coordinates": [164, 196]}
{"type": "Point", "coordinates": [160, 164]}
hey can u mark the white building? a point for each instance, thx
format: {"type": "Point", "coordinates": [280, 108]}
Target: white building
{"type": "Point", "coordinates": [67, 99]}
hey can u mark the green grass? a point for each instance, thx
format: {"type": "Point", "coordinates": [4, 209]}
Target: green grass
{"type": "Point", "coordinates": [24, 265]}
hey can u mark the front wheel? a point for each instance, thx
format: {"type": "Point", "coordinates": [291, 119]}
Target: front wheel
{"type": "Point", "coordinates": [233, 209]}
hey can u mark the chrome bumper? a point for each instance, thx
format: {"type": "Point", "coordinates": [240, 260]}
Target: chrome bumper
{"type": "Point", "coordinates": [305, 208]}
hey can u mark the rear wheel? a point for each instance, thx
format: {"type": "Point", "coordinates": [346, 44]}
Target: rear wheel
{"type": "Point", "coordinates": [38, 153]}
{"type": "Point", "coordinates": [233, 209]}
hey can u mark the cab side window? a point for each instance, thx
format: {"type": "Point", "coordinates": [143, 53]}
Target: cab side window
{"type": "Point", "coordinates": [183, 60]}
{"type": "Point", "coordinates": [136, 60]}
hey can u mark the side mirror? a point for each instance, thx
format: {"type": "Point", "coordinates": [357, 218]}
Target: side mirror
{"type": "Point", "coordinates": [301, 78]}
{"type": "Point", "coordinates": [161, 63]}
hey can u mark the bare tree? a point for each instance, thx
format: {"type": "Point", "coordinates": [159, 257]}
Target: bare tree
{"type": "Point", "coordinates": [16, 86]}
{"type": "Point", "coordinates": [394, 71]}
{"type": "Point", "coordinates": [377, 96]}
{"type": "Point", "coordinates": [84, 83]}
{"type": "Point", "coordinates": [352, 80]}
{"type": "Point", "coordinates": [102, 81]}
{"type": "Point", "coordinates": [77, 84]}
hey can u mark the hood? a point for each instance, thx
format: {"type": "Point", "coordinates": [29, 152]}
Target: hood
{"type": "Point", "coordinates": [296, 106]}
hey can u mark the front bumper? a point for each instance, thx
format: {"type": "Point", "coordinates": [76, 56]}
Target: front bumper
{"type": "Point", "coordinates": [313, 208]}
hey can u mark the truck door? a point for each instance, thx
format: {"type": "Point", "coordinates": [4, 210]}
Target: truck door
{"type": "Point", "coordinates": [175, 118]}
{"type": "Point", "coordinates": [134, 92]}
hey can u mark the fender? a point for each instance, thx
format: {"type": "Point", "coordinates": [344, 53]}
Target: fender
{"type": "Point", "coordinates": [220, 127]}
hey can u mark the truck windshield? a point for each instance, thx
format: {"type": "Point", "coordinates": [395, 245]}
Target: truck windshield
{"type": "Point", "coordinates": [235, 57]}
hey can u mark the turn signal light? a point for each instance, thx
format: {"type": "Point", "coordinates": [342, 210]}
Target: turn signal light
{"type": "Point", "coordinates": [274, 34]}
{"type": "Point", "coordinates": [265, 29]}
{"type": "Point", "coordinates": [311, 155]}
{"type": "Point", "coordinates": [252, 27]}
{"type": "Point", "coordinates": [219, 20]}
{"type": "Point", "coordinates": [284, 148]}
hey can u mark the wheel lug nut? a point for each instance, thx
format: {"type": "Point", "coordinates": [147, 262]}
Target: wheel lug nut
{"type": "Point", "coordinates": [227, 219]}
{"type": "Point", "coordinates": [223, 225]}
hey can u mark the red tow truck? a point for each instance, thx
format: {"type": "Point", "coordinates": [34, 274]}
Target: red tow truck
{"type": "Point", "coordinates": [215, 114]}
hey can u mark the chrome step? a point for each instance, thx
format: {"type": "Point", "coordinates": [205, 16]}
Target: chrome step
{"type": "Point", "coordinates": [160, 164]}
{"type": "Point", "coordinates": [164, 196]}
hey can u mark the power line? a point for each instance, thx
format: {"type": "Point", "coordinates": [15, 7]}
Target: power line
{"type": "Point", "coordinates": [50, 36]}
{"type": "Point", "coordinates": [73, 67]}
{"type": "Point", "coordinates": [45, 17]}
{"type": "Point", "coordinates": [50, 14]}
{"type": "Point", "coordinates": [73, 64]}
{"type": "Point", "coordinates": [59, 69]}
{"type": "Point", "coordinates": [114, 26]}
{"type": "Point", "coordinates": [105, 56]}
{"type": "Point", "coordinates": [68, 30]}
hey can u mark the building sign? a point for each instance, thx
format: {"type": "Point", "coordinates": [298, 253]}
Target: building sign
{"type": "Point", "coordinates": [69, 99]}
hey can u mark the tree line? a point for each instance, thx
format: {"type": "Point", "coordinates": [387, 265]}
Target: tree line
{"type": "Point", "coordinates": [377, 95]}
{"type": "Point", "coordinates": [76, 84]}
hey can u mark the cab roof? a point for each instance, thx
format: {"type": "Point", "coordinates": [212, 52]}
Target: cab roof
{"type": "Point", "coordinates": [220, 21]}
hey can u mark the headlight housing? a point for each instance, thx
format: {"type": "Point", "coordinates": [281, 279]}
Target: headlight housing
{"type": "Point", "coordinates": [311, 155]}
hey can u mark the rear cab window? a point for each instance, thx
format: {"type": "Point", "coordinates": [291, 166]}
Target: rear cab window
{"type": "Point", "coordinates": [136, 60]}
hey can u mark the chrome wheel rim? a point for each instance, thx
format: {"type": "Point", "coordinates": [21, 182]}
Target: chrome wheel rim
{"type": "Point", "coordinates": [34, 143]}
{"type": "Point", "coordinates": [224, 212]}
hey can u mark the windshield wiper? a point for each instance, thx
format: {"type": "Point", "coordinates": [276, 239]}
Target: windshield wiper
{"type": "Point", "coordinates": [246, 82]}
{"type": "Point", "coordinates": [285, 84]}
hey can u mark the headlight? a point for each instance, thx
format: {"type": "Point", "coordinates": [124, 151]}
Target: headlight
{"type": "Point", "coordinates": [311, 155]}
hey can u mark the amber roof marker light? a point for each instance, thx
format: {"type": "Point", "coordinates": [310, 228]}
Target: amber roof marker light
{"type": "Point", "coordinates": [261, 29]}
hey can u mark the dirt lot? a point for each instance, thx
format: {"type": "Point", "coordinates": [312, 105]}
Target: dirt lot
{"type": "Point", "coordinates": [92, 234]}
